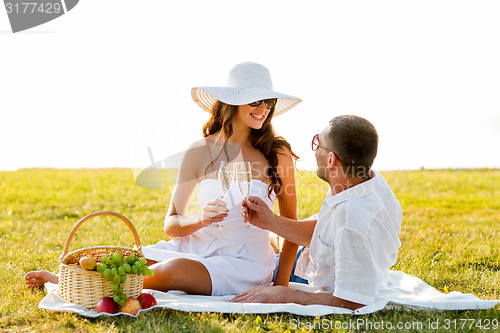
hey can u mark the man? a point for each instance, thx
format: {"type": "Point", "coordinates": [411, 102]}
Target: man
{"type": "Point", "coordinates": [354, 240]}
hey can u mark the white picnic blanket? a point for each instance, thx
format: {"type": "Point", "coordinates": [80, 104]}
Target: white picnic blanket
{"type": "Point", "coordinates": [403, 289]}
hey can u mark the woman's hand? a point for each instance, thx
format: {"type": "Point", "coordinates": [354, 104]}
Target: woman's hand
{"type": "Point", "coordinates": [214, 211]}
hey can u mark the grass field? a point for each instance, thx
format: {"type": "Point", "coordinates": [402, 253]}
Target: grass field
{"type": "Point", "coordinates": [450, 237]}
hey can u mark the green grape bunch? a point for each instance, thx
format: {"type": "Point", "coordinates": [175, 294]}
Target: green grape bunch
{"type": "Point", "coordinates": [115, 268]}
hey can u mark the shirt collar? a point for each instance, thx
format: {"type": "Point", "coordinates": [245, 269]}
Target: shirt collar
{"type": "Point", "coordinates": [357, 191]}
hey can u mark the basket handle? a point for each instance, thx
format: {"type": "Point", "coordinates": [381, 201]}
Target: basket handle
{"type": "Point", "coordinates": [90, 216]}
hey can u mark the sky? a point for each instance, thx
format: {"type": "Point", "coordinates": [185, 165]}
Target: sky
{"type": "Point", "coordinates": [99, 85]}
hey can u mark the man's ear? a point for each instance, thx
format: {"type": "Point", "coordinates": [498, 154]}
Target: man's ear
{"type": "Point", "coordinates": [332, 159]}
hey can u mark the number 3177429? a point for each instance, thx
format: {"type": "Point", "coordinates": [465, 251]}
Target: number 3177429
{"type": "Point", "coordinates": [33, 7]}
{"type": "Point", "coordinates": [461, 324]}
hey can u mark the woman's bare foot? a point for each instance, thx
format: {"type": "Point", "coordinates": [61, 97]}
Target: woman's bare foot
{"type": "Point", "coordinates": [37, 279]}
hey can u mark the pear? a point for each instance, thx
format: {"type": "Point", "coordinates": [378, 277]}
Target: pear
{"type": "Point", "coordinates": [88, 263]}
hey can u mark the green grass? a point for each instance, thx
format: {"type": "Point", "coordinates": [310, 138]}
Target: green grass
{"type": "Point", "coordinates": [450, 237]}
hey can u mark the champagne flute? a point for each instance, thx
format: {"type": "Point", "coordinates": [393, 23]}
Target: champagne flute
{"type": "Point", "coordinates": [225, 177]}
{"type": "Point", "coordinates": [244, 178]}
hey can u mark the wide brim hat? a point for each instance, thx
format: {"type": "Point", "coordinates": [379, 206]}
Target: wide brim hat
{"type": "Point", "coordinates": [248, 82]}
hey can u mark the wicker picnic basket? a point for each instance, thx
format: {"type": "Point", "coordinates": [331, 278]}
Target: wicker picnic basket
{"type": "Point", "coordinates": [87, 288]}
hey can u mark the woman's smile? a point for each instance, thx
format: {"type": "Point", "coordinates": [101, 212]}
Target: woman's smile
{"type": "Point", "coordinates": [258, 116]}
{"type": "Point", "coordinates": [253, 117]}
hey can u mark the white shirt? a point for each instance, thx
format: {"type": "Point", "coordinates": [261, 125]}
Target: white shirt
{"type": "Point", "coordinates": [355, 242]}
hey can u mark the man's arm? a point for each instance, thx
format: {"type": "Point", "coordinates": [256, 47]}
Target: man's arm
{"type": "Point", "coordinates": [257, 212]}
{"type": "Point", "coordinates": [298, 232]}
{"type": "Point", "coordinates": [280, 294]}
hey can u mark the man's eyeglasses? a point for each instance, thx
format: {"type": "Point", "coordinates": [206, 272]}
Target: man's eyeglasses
{"type": "Point", "coordinates": [315, 144]}
{"type": "Point", "coordinates": [269, 103]}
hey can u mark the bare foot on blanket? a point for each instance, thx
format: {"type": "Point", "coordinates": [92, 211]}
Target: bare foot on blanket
{"type": "Point", "coordinates": [37, 279]}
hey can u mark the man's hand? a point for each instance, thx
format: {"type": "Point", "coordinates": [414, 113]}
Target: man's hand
{"type": "Point", "coordinates": [280, 294]}
{"type": "Point", "coordinates": [275, 294]}
{"type": "Point", "coordinates": [256, 212]}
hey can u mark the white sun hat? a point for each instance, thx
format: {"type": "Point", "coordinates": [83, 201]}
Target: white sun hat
{"type": "Point", "coordinates": [248, 82]}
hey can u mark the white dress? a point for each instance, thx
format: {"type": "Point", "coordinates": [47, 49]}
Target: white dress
{"type": "Point", "coordinates": [237, 255]}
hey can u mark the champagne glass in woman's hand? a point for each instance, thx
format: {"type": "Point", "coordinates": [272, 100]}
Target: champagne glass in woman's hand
{"type": "Point", "coordinates": [244, 178]}
{"type": "Point", "coordinates": [225, 177]}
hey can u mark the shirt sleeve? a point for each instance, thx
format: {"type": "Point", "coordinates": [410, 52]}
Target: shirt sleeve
{"type": "Point", "coordinates": [357, 276]}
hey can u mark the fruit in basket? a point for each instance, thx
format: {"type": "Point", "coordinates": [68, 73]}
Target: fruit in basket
{"type": "Point", "coordinates": [117, 258]}
{"type": "Point", "coordinates": [115, 268]}
{"type": "Point", "coordinates": [106, 274]}
{"type": "Point", "coordinates": [101, 267]}
{"type": "Point", "coordinates": [147, 300]}
{"type": "Point", "coordinates": [117, 279]}
{"type": "Point", "coordinates": [107, 305]}
{"type": "Point", "coordinates": [126, 267]}
{"type": "Point", "coordinates": [131, 259]}
{"type": "Point", "coordinates": [122, 302]}
{"type": "Point", "coordinates": [88, 263]}
{"type": "Point", "coordinates": [132, 306]}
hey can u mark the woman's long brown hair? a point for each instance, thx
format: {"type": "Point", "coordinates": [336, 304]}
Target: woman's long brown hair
{"type": "Point", "coordinates": [263, 139]}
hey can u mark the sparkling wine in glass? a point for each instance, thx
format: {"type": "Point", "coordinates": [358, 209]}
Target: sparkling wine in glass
{"type": "Point", "coordinates": [244, 178]}
{"type": "Point", "coordinates": [225, 177]}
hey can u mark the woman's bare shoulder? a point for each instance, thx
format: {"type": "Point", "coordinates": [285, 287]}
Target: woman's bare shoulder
{"type": "Point", "coordinates": [284, 152]}
{"type": "Point", "coordinates": [195, 153]}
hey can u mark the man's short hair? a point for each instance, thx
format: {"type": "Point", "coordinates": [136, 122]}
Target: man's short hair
{"type": "Point", "coordinates": [354, 140]}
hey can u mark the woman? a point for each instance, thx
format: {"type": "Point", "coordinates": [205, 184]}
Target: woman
{"type": "Point", "coordinates": [215, 252]}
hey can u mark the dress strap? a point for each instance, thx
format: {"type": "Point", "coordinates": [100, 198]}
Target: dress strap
{"type": "Point", "coordinates": [210, 154]}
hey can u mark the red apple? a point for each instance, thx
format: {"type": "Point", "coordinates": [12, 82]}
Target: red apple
{"type": "Point", "coordinates": [106, 305]}
{"type": "Point", "coordinates": [132, 306]}
{"type": "Point", "coordinates": [147, 300]}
